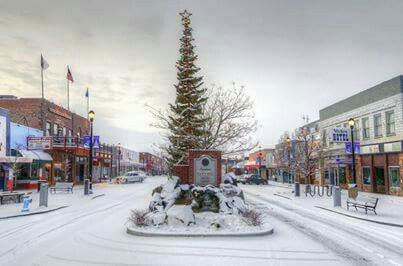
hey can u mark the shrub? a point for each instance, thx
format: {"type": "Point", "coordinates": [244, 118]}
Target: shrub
{"type": "Point", "coordinates": [139, 217]}
{"type": "Point", "coordinates": [252, 217]}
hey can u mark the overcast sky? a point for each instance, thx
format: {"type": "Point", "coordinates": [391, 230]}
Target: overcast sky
{"type": "Point", "coordinates": [293, 57]}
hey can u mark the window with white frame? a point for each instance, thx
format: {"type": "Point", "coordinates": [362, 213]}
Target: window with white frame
{"type": "Point", "coordinates": [365, 128]}
{"type": "Point", "coordinates": [390, 122]}
{"type": "Point", "coordinates": [378, 125]}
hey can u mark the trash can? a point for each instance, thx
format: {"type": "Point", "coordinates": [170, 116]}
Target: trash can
{"type": "Point", "coordinates": [40, 182]}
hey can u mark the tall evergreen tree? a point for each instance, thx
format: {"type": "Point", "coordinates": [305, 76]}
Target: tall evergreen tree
{"type": "Point", "coordinates": [186, 117]}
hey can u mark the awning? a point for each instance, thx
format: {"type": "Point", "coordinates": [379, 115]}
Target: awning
{"type": "Point", "coordinates": [37, 155]}
{"type": "Point", "coordinates": [14, 159]}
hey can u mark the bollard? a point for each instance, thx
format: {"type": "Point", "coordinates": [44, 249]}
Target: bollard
{"type": "Point", "coordinates": [43, 195]}
{"type": "Point", "coordinates": [86, 186]}
{"type": "Point", "coordinates": [25, 203]}
{"type": "Point", "coordinates": [336, 196]}
{"type": "Point", "coordinates": [297, 189]}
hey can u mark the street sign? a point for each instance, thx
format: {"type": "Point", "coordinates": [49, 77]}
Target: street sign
{"type": "Point", "coordinates": [39, 143]}
{"type": "Point", "coordinates": [356, 147]}
{"type": "Point", "coordinates": [340, 135]}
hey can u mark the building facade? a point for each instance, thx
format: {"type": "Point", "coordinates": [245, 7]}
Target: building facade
{"type": "Point", "coordinates": [67, 129]}
{"type": "Point", "coordinates": [378, 132]}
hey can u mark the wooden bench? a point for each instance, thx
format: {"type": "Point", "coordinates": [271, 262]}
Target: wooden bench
{"type": "Point", "coordinates": [62, 186]}
{"type": "Point", "coordinates": [13, 196]}
{"type": "Point", "coordinates": [367, 203]}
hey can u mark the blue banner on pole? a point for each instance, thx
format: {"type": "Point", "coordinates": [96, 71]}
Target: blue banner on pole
{"type": "Point", "coordinates": [95, 142]}
{"type": "Point", "coordinates": [87, 140]}
{"type": "Point", "coordinates": [356, 147]}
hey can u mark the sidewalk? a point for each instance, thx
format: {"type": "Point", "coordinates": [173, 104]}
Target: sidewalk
{"type": "Point", "coordinates": [389, 209]}
{"type": "Point", "coordinates": [55, 201]}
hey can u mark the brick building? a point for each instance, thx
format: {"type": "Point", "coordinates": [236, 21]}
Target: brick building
{"type": "Point", "coordinates": [70, 157]}
{"type": "Point", "coordinates": [152, 163]}
{"type": "Point", "coordinates": [378, 115]}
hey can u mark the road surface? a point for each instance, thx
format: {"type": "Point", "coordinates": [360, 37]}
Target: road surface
{"type": "Point", "coordinates": [92, 232]}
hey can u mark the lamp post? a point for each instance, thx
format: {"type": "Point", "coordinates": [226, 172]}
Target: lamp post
{"type": "Point", "coordinates": [260, 159]}
{"type": "Point", "coordinates": [288, 141]}
{"type": "Point", "coordinates": [119, 152]}
{"type": "Point", "coordinates": [351, 123]}
{"type": "Point", "coordinates": [91, 116]}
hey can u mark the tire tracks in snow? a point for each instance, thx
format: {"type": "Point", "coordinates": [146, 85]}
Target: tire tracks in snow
{"type": "Point", "coordinates": [322, 230]}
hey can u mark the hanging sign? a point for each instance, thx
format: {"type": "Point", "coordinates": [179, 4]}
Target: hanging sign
{"type": "Point", "coordinates": [39, 143]}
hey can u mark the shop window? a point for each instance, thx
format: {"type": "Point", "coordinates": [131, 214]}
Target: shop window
{"type": "Point", "coordinates": [64, 132]}
{"type": "Point", "coordinates": [390, 122]}
{"type": "Point", "coordinates": [394, 176]}
{"type": "Point", "coordinates": [378, 125]}
{"type": "Point", "coordinates": [366, 175]}
{"type": "Point", "coordinates": [365, 128]}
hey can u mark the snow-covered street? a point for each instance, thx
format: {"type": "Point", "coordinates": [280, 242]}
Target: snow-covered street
{"type": "Point", "coordinates": [92, 231]}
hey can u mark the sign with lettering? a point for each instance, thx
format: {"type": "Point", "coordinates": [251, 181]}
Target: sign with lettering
{"type": "Point", "coordinates": [39, 143]}
{"type": "Point", "coordinates": [339, 135]}
{"type": "Point", "coordinates": [356, 147]}
{"type": "Point", "coordinates": [205, 168]}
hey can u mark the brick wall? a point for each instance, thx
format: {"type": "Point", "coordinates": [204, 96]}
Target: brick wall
{"type": "Point", "coordinates": [27, 111]}
{"type": "Point", "coordinates": [181, 171]}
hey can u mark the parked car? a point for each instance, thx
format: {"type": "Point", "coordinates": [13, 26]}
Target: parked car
{"type": "Point", "coordinates": [256, 179]}
{"type": "Point", "coordinates": [131, 177]}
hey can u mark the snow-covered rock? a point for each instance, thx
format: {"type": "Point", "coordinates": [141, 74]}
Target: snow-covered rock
{"type": "Point", "coordinates": [157, 217]}
{"type": "Point", "coordinates": [228, 178]}
{"type": "Point", "coordinates": [156, 200]}
{"type": "Point", "coordinates": [181, 214]}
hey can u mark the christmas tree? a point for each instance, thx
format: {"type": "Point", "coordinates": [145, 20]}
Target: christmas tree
{"type": "Point", "coordinates": [186, 117]}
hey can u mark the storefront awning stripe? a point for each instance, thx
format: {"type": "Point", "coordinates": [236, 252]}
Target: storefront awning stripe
{"type": "Point", "coordinates": [37, 155]}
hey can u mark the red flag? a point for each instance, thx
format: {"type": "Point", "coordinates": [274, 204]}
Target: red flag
{"type": "Point", "coordinates": [69, 76]}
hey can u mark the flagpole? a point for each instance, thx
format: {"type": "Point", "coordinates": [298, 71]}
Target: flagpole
{"type": "Point", "coordinates": [43, 97]}
{"type": "Point", "coordinates": [88, 102]}
{"type": "Point", "coordinates": [68, 94]}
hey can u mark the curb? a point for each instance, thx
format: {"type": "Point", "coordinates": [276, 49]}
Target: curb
{"type": "Point", "coordinates": [278, 195]}
{"type": "Point", "coordinates": [97, 196]}
{"type": "Point", "coordinates": [135, 232]}
{"type": "Point", "coordinates": [33, 213]}
{"type": "Point", "coordinates": [359, 218]}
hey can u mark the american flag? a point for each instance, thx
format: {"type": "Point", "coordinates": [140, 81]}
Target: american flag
{"type": "Point", "coordinates": [69, 76]}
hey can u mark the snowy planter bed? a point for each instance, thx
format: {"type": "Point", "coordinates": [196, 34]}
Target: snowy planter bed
{"type": "Point", "coordinates": [206, 225]}
{"type": "Point", "coordinates": [183, 210]}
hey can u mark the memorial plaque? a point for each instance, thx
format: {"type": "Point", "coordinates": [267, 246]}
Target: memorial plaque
{"type": "Point", "coordinates": [205, 168]}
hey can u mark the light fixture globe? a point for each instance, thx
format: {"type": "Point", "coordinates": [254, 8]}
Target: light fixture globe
{"type": "Point", "coordinates": [351, 122]}
{"type": "Point", "coordinates": [91, 115]}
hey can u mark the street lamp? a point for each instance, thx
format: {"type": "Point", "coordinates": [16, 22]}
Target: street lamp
{"type": "Point", "coordinates": [288, 141]}
{"type": "Point", "coordinates": [351, 123]}
{"type": "Point", "coordinates": [119, 152]}
{"type": "Point", "coordinates": [91, 116]}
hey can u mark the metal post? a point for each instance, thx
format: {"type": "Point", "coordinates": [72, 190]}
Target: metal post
{"type": "Point", "coordinates": [43, 195]}
{"type": "Point", "coordinates": [86, 186]}
{"type": "Point", "coordinates": [297, 189]}
{"type": "Point", "coordinates": [91, 151]}
{"type": "Point", "coordinates": [336, 196]}
{"type": "Point", "coordinates": [353, 154]}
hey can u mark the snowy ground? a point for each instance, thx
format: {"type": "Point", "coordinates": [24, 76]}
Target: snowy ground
{"type": "Point", "coordinates": [92, 232]}
{"type": "Point", "coordinates": [357, 239]}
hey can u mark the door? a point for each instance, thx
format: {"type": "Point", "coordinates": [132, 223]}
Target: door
{"type": "Point", "coordinates": [379, 184]}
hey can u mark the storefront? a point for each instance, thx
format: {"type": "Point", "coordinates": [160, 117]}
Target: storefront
{"type": "Point", "coordinates": [380, 168]}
